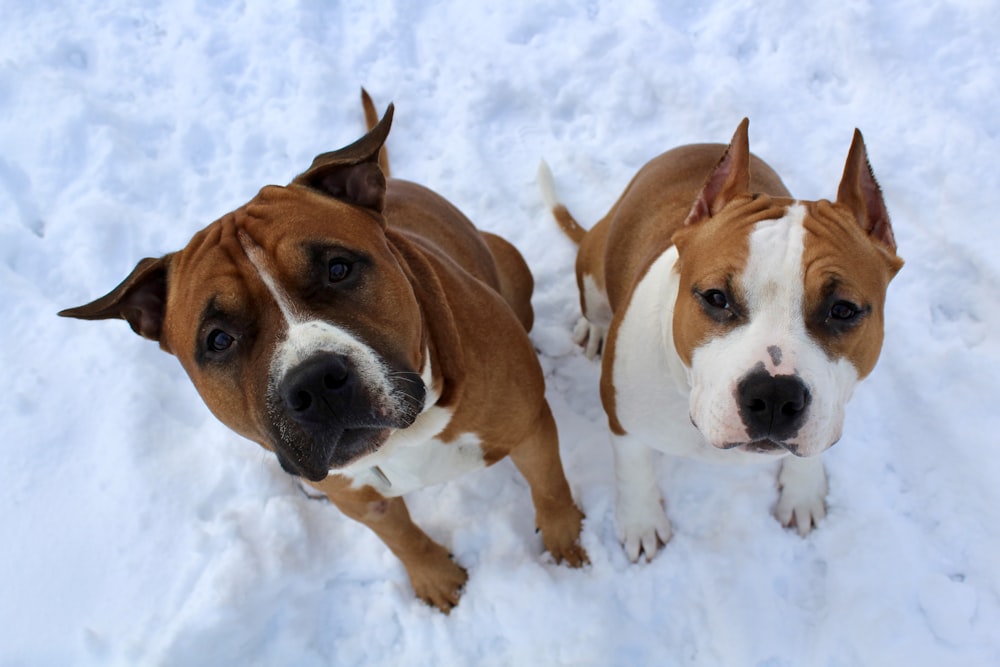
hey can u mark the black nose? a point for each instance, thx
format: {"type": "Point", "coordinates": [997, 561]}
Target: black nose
{"type": "Point", "coordinates": [318, 388]}
{"type": "Point", "coordinates": [772, 406]}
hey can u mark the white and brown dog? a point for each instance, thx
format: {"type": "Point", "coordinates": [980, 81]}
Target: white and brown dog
{"type": "Point", "coordinates": [363, 330]}
{"type": "Point", "coordinates": [734, 321]}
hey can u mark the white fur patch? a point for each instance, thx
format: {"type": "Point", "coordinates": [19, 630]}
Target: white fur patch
{"type": "Point", "coordinates": [592, 329]}
{"type": "Point", "coordinates": [547, 185]}
{"type": "Point", "coordinates": [773, 292]}
{"type": "Point", "coordinates": [259, 261]}
{"type": "Point", "coordinates": [802, 501]}
{"type": "Point", "coordinates": [651, 384]}
{"type": "Point", "coordinates": [641, 521]}
{"type": "Point", "coordinates": [305, 337]}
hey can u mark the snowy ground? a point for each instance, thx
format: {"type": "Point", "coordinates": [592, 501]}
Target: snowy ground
{"type": "Point", "coordinates": [138, 531]}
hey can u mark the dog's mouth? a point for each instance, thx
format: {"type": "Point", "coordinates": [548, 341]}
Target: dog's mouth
{"type": "Point", "coordinates": [758, 446]}
{"type": "Point", "coordinates": [763, 446]}
{"type": "Point", "coordinates": [315, 459]}
{"type": "Point", "coordinates": [327, 412]}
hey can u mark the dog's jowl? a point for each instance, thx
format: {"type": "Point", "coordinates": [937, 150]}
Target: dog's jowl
{"type": "Point", "coordinates": [363, 330]}
{"type": "Point", "coordinates": [733, 320]}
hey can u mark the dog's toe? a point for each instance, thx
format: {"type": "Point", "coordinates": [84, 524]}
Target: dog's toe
{"type": "Point", "coordinates": [561, 536]}
{"type": "Point", "coordinates": [574, 556]}
{"type": "Point", "coordinates": [800, 512]}
{"type": "Point", "coordinates": [590, 337]}
{"type": "Point", "coordinates": [802, 500]}
{"type": "Point", "coordinates": [438, 582]}
{"type": "Point", "coordinates": [645, 537]}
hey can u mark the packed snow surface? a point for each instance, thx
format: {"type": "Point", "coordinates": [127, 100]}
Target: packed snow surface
{"type": "Point", "coordinates": [140, 531]}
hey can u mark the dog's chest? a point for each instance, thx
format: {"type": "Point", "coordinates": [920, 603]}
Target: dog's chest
{"type": "Point", "coordinates": [414, 457]}
{"type": "Point", "coordinates": [649, 379]}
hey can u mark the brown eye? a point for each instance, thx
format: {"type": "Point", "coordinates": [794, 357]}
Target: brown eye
{"type": "Point", "coordinates": [716, 299]}
{"type": "Point", "coordinates": [219, 341]}
{"type": "Point", "coordinates": [339, 269]}
{"type": "Point", "coordinates": [843, 311]}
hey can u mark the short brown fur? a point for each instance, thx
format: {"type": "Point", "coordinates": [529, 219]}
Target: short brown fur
{"type": "Point", "coordinates": [444, 289]}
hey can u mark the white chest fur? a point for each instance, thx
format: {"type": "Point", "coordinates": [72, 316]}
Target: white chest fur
{"type": "Point", "coordinates": [413, 458]}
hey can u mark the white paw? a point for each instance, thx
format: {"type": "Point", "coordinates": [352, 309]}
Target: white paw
{"type": "Point", "coordinates": [642, 529]}
{"type": "Point", "coordinates": [802, 501]}
{"type": "Point", "coordinates": [589, 336]}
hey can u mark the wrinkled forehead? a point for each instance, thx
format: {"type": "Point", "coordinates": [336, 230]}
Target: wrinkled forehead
{"type": "Point", "coordinates": [836, 250]}
{"type": "Point", "coordinates": [773, 270]}
{"type": "Point", "coordinates": [718, 251]}
{"type": "Point", "coordinates": [211, 277]}
{"type": "Point", "coordinates": [235, 264]}
{"type": "Point", "coordinates": [285, 223]}
{"type": "Point", "coordinates": [813, 245]}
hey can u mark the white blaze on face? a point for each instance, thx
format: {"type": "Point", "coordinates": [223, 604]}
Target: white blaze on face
{"type": "Point", "coordinates": [305, 337]}
{"type": "Point", "coordinates": [772, 336]}
{"type": "Point", "coordinates": [411, 457]}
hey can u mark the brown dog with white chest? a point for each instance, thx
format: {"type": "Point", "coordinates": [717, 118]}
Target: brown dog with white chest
{"type": "Point", "coordinates": [363, 330]}
{"type": "Point", "coordinates": [734, 320]}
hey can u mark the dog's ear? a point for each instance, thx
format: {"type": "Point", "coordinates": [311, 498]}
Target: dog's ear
{"type": "Point", "coordinates": [141, 299]}
{"type": "Point", "coordinates": [859, 191]}
{"type": "Point", "coordinates": [352, 173]}
{"type": "Point", "coordinates": [729, 178]}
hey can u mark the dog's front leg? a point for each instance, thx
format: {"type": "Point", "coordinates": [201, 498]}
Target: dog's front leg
{"type": "Point", "coordinates": [643, 526]}
{"type": "Point", "coordinates": [556, 515]}
{"type": "Point", "coordinates": [802, 499]}
{"type": "Point", "coordinates": [435, 577]}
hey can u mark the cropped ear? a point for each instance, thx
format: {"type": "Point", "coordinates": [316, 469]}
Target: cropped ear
{"type": "Point", "coordinates": [141, 299]}
{"type": "Point", "coordinates": [352, 174]}
{"type": "Point", "coordinates": [729, 178]}
{"type": "Point", "coordinates": [859, 191]}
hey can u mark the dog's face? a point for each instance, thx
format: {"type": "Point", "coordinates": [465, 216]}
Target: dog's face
{"type": "Point", "coordinates": [293, 315]}
{"type": "Point", "coordinates": [780, 307]}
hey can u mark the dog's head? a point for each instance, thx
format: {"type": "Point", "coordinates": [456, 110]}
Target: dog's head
{"type": "Point", "coordinates": [780, 307]}
{"type": "Point", "coordinates": [294, 315]}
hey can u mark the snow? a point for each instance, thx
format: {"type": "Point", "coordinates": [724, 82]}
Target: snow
{"type": "Point", "coordinates": [139, 531]}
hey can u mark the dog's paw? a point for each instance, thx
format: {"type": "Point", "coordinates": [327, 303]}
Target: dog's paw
{"type": "Point", "coordinates": [802, 500]}
{"type": "Point", "coordinates": [803, 514]}
{"type": "Point", "coordinates": [561, 536]}
{"type": "Point", "coordinates": [643, 530]}
{"type": "Point", "coordinates": [440, 583]}
{"type": "Point", "coordinates": [590, 337]}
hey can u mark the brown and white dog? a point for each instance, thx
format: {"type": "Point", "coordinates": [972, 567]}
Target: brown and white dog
{"type": "Point", "coordinates": [363, 330]}
{"type": "Point", "coordinates": [734, 320]}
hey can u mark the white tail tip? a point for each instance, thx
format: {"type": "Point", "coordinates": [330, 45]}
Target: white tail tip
{"type": "Point", "coordinates": [547, 184]}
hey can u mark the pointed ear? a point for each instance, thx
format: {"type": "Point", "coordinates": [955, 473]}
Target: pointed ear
{"type": "Point", "coordinates": [352, 173]}
{"type": "Point", "coordinates": [141, 299]}
{"type": "Point", "coordinates": [730, 178]}
{"type": "Point", "coordinates": [859, 191]}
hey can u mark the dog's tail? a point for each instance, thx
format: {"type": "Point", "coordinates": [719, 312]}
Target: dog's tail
{"type": "Point", "coordinates": [371, 120]}
{"type": "Point", "coordinates": [562, 215]}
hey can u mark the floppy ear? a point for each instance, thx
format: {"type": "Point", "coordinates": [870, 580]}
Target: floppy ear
{"type": "Point", "coordinates": [859, 191]}
{"type": "Point", "coordinates": [352, 173]}
{"type": "Point", "coordinates": [141, 299]}
{"type": "Point", "coordinates": [731, 177]}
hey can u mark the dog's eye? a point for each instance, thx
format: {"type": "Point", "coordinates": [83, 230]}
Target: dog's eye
{"type": "Point", "coordinates": [843, 311]}
{"type": "Point", "coordinates": [716, 299]}
{"type": "Point", "coordinates": [219, 341]}
{"type": "Point", "coordinates": [340, 268]}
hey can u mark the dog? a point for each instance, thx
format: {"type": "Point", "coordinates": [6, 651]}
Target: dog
{"type": "Point", "coordinates": [733, 321]}
{"type": "Point", "coordinates": [362, 329]}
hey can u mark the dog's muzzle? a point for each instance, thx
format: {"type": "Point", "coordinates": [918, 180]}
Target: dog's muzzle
{"type": "Point", "coordinates": [326, 414]}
